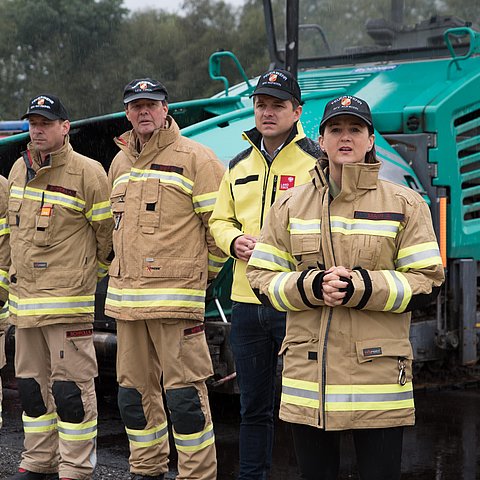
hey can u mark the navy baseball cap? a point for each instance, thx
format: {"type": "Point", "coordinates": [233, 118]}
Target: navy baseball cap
{"type": "Point", "coordinates": [347, 105]}
{"type": "Point", "coordinates": [278, 83]}
{"type": "Point", "coordinates": [48, 106]}
{"type": "Point", "coordinates": [144, 88]}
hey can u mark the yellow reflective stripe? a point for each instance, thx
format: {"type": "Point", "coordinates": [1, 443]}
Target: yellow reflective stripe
{"type": "Point", "coordinates": [55, 198]}
{"type": "Point", "coordinates": [215, 263]}
{"type": "Point", "coordinates": [299, 226]}
{"type": "Point", "coordinates": [400, 291]}
{"type": "Point", "coordinates": [152, 297]}
{"type": "Point", "coordinates": [51, 305]}
{"type": "Point", "coordinates": [102, 269]}
{"type": "Point", "coordinates": [4, 280]}
{"type": "Point", "coordinates": [16, 192]}
{"type": "Point", "coordinates": [418, 256]}
{"type": "Point", "coordinates": [121, 179]}
{"type": "Point", "coordinates": [4, 227]}
{"type": "Point", "coordinates": [300, 392]}
{"type": "Point", "coordinates": [353, 226]}
{"type": "Point", "coordinates": [271, 258]}
{"type": "Point", "coordinates": [195, 441]}
{"type": "Point", "coordinates": [4, 312]}
{"type": "Point", "coordinates": [149, 437]}
{"type": "Point", "coordinates": [276, 289]}
{"type": "Point", "coordinates": [169, 178]}
{"type": "Point", "coordinates": [77, 431]}
{"type": "Point", "coordinates": [351, 398]}
{"type": "Point", "coordinates": [205, 202]}
{"type": "Point", "coordinates": [44, 423]}
{"type": "Point", "coordinates": [99, 211]}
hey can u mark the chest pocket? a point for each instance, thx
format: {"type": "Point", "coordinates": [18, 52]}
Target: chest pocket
{"type": "Point", "coordinates": [149, 217]}
{"type": "Point", "coordinates": [14, 212]}
{"type": "Point", "coordinates": [117, 200]}
{"type": "Point", "coordinates": [306, 250]}
{"type": "Point", "coordinates": [44, 225]}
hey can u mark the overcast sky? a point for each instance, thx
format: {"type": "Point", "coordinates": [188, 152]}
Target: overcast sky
{"type": "Point", "coordinates": [172, 6]}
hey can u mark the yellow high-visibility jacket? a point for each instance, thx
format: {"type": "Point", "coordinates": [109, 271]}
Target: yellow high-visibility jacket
{"type": "Point", "coordinates": [348, 366]}
{"type": "Point", "coordinates": [60, 237]}
{"type": "Point", "coordinates": [248, 189]}
{"type": "Point", "coordinates": [162, 200]}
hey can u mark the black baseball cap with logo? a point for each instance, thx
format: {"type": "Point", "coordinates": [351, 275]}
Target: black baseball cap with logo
{"type": "Point", "coordinates": [278, 83]}
{"type": "Point", "coordinates": [48, 106]}
{"type": "Point", "coordinates": [144, 88]}
{"type": "Point", "coordinates": [347, 105]}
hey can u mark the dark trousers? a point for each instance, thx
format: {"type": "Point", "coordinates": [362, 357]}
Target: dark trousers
{"type": "Point", "coordinates": [256, 336]}
{"type": "Point", "coordinates": [378, 451]}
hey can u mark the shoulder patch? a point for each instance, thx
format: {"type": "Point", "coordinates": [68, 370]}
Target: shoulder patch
{"type": "Point", "coordinates": [238, 158]}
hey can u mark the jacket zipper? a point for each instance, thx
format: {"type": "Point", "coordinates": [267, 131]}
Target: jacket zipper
{"type": "Point", "coordinates": [274, 189]}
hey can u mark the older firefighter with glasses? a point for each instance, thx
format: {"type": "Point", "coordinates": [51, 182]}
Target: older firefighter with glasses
{"type": "Point", "coordinates": [60, 237]}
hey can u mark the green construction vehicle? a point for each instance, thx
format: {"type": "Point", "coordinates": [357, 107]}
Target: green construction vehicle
{"type": "Point", "coordinates": [417, 63]}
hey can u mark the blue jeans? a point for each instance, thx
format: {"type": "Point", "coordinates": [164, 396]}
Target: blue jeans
{"type": "Point", "coordinates": [256, 336]}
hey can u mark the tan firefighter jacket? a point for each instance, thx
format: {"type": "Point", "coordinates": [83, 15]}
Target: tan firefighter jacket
{"type": "Point", "coordinates": [60, 237]}
{"type": "Point", "coordinates": [248, 189]}
{"type": "Point", "coordinates": [4, 251]}
{"type": "Point", "coordinates": [349, 366]}
{"type": "Point", "coordinates": [162, 199]}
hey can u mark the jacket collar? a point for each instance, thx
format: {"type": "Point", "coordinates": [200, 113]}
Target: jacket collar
{"type": "Point", "coordinates": [255, 137]}
{"type": "Point", "coordinates": [57, 158]}
{"type": "Point", "coordinates": [160, 139]}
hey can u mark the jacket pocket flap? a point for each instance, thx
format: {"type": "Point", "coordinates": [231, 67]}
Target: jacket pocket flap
{"type": "Point", "coordinates": [368, 350]}
{"type": "Point", "coordinates": [308, 243]}
{"type": "Point", "coordinates": [50, 278]}
{"type": "Point", "coordinates": [14, 205]}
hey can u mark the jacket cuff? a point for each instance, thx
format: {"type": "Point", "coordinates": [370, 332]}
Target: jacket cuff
{"type": "Point", "coordinates": [309, 285]}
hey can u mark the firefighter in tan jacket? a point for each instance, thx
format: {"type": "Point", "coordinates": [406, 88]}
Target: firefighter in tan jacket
{"type": "Point", "coordinates": [4, 265]}
{"type": "Point", "coordinates": [60, 231]}
{"type": "Point", "coordinates": [348, 256]}
{"type": "Point", "coordinates": [164, 190]}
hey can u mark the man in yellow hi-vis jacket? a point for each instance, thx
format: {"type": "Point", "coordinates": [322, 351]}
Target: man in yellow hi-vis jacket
{"type": "Point", "coordinates": [60, 230]}
{"type": "Point", "coordinates": [164, 190]}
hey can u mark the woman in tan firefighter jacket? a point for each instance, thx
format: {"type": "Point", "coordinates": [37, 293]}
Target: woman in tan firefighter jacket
{"type": "Point", "coordinates": [348, 256]}
{"type": "Point", "coordinates": [164, 190]}
{"type": "Point", "coordinates": [60, 237]}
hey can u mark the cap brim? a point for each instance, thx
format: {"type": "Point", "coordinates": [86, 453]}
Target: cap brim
{"type": "Point", "coordinates": [272, 92]}
{"type": "Point", "coordinates": [43, 113]}
{"type": "Point", "coordinates": [337, 114]}
{"type": "Point", "coordinates": [146, 95]}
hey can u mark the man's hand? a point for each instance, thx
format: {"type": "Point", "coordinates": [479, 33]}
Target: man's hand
{"type": "Point", "coordinates": [243, 247]}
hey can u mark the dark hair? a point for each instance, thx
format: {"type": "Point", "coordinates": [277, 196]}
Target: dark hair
{"type": "Point", "coordinates": [295, 102]}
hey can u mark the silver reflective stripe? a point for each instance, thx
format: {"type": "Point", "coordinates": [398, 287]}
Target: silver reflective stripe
{"type": "Point", "coordinates": [39, 423]}
{"type": "Point", "coordinates": [276, 290]}
{"type": "Point", "coordinates": [48, 306]}
{"type": "Point", "coordinates": [195, 442]}
{"type": "Point", "coordinates": [298, 392]}
{"type": "Point", "coordinates": [302, 227]}
{"type": "Point", "coordinates": [271, 258]}
{"type": "Point", "coordinates": [368, 397]}
{"type": "Point", "coordinates": [416, 257]}
{"type": "Point", "coordinates": [77, 431]}
{"type": "Point", "coordinates": [204, 203]}
{"type": "Point", "coordinates": [147, 438]}
{"type": "Point", "coordinates": [152, 297]}
{"type": "Point", "coordinates": [162, 176]}
{"type": "Point", "coordinates": [377, 226]}
{"type": "Point", "coordinates": [400, 292]}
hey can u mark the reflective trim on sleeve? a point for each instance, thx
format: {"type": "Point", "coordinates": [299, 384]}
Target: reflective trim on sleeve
{"type": "Point", "coordinates": [353, 226]}
{"type": "Point", "coordinates": [418, 256]}
{"type": "Point", "coordinates": [350, 398]}
{"type": "Point", "coordinates": [99, 211]}
{"type": "Point", "coordinates": [44, 423]}
{"type": "Point", "coordinates": [4, 227]}
{"type": "Point", "coordinates": [204, 203]}
{"type": "Point", "coordinates": [400, 291]}
{"type": "Point", "coordinates": [4, 312]}
{"type": "Point", "coordinates": [194, 442]}
{"type": "Point", "coordinates": [16, 192]}
{"type": "Point", "coordinates": [4, 280]}
{"type": "Point", "coordinates": [147, 438]}
{"type": "Point", "coordinates": [155, 297]}
{"type": "Point", "coordinates": [51, 305]}
{"type": "Point", "coordinates": [121, 179]}
{"type": "Point", "coordinates": [76, 432]}
{"type": "Point", "coordinates": [299, 226]}
{"type": "Point", "coordinates": [276, 289]}
{"type": "Point", "coordinates": [271, 258]}
{"type": "Point", "coordinates": [215, 263]}
{"type": "Point", "coordinates": [102, 269]}
{"type": "Point", "coordinates": [300, 392]}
